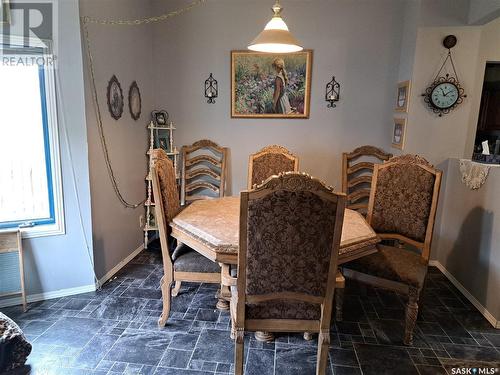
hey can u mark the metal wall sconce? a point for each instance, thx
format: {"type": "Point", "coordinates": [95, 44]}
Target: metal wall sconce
{"type": "Point", "coordinates": [332, 94]}
{"type": "Point", "coordinates": [211, 89]}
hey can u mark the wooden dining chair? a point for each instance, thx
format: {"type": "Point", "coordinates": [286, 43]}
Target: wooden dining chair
{"type": "Point", "coordinates": [403, 203]}
{"type": "Point", "coordinates": [357, 171]}
{"type": "Point", "coordinates": [271, 160]}
{"type": "Point", "coordinates": [290, 231]}
{"type": "Point", "coordinates": [203, 171]}
{"type": "Point", "coordinates": [183, 263]}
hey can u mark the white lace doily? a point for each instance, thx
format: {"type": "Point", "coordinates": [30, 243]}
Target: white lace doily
{"type": "Point", "coordinates": [473, 174]}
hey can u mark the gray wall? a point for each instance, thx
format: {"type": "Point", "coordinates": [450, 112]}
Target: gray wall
{"type": "Point", "coordinates": [361, 54]}
{"type": "Point", "coordinates": [62, 262]}
{"type": "Point", "coordinates": [125, 51]}
{"type": "Point", "coordinates": [468, 241]}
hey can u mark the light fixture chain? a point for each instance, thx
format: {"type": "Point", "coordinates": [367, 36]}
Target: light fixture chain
{"type": "Point", "coordinates": [142, 21]}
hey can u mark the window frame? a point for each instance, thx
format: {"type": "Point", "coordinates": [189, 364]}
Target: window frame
{"type": "Point", "coordinates": [55, 225]}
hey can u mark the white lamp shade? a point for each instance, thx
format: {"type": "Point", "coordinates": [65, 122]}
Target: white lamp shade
{"type": "Point", "coordinates": [275, 38]}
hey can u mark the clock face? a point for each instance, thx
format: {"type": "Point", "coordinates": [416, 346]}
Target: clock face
{"type": "Point", "coordinates": [444, 95]}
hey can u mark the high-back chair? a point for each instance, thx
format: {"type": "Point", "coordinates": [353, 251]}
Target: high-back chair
{"type": "Point", "coordinates": [182, 264]}
{"type": "Point", "coordinates": [271, 160]}
{"type": "Point", "coordinates": [357, 171]}
{"type": "Point", "coordinates": [203, 171]}
{"type": "Point", "coordinates": [403, 203]}
{"type": "Point", "coordinates": [281, 287]}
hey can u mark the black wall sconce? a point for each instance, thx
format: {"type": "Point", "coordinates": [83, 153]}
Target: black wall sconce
{"type": "Point", "coordinates": [211, 89]}
{"type": "Point", "coordinates": [332, 94]}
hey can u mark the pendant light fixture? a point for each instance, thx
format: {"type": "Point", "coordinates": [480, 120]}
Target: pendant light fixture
{"type": "Point", "coordinates": [275, 38]}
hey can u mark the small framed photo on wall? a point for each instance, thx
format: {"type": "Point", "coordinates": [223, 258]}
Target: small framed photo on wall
{"type": "Point", "coordinates": [159, 118]}
{"type": "Point", "coordinates": [399, 133]}
{"type": "Point", "coordinates": [403, 96]}
{"type": "Point", "coordinates": [162, 142]}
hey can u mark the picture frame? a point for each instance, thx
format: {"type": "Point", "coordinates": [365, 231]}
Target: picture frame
{"type": "Point", "coordinates": [114, 96]}
{"type": "Point", "coordinates": [163, 143]}
{"type": "Point", "coordinates": [5, 18]}
{"type": "Point", "coordinates": [402, 96]}
{"type": "Point", "coordinates": [258, 89]}
{"type": "Point", "coordinates": [134, 101]}
{"type": "Point", "coordinates": [399, 133]}
{"type": "Point", "coordinates": [159, 118]}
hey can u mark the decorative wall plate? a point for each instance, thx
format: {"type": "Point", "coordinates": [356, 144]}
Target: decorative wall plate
{"type": "Point", "coordinates": [134, 101]}
{"type": "Point", "coordinates": [115, 98]}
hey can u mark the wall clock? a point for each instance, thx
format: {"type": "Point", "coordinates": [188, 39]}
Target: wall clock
{"type": "Point", "coordinates": [445, 93]}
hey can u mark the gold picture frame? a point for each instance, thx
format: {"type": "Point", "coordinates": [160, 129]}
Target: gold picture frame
{"type": "Point", "coordinates": [403, 96]}
{"type": "Point", "coordinates": [398, 133]}
{"type": "Point", "coordinates": [255, 88]}
{"type": "Point", "coordinates": [5, 12]}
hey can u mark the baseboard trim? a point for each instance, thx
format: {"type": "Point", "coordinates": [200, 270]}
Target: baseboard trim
{"type": "Point", "coordinates": [47, 295]}
{"type": "Point", "coordinates": [119, 266]}
{"type": "Point", "coordinates": [13, 301]}
{"type": "Point", "coordinates": [493, 321]}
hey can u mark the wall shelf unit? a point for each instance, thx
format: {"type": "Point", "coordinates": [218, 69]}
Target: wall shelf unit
{"type": "Point", "coordinates": [159, 137]}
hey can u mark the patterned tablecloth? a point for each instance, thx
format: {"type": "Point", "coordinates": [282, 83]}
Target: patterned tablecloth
{"type": "Point", "coordinates": [216, 224]}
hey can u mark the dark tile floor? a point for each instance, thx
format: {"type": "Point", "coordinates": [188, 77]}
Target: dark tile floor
{"type": "Point", "coordinates": [114, 331]}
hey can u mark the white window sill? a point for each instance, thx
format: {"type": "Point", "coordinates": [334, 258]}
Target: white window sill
{"type": "Point", "coordinates": [56, 229]}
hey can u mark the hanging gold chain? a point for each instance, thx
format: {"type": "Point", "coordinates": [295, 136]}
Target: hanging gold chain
{"type": "Point", "coordinates": [85, 22]}
{"type": "Point", "coordinates": [143, 21]}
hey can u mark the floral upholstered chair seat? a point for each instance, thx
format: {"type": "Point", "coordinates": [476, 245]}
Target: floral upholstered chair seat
{"type": "Point", "coordinates": [393, 264]}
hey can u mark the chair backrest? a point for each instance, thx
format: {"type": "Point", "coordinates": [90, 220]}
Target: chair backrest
{"type": "Point", "coordinates": [357, 171]}
{"type": "Point", "coordinates": [166, 197]}
{"type": "Point", "coordinates": [290, 230]}
{"type": "Point", "coordinates": [270, 161]}
{"type": "Point", "coordinates": [403, 201]}
{"type": "Point", "coordinates": [203, 171]}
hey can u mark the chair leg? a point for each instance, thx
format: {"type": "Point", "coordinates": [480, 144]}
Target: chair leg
{"type": "Point", "coordinates": [411, 315]}
{"type": "Point", "coordinates": [176, 289]}
{"type": "Point", "coordinates": [339, 304]}
{"type": "Point", "coordinates": [238, 352]}
{"type": "Point", "coordinates": [165, 291]}
{"type": "Point", "coordinates": [323, 343]}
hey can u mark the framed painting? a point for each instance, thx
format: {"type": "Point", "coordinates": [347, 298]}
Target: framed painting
{"type": "Point", "coordinates": [403, 96]}
{"type": "Point", "coordinates": [399, 133]}
{"type": "Point", "coordinates": [268, 85]}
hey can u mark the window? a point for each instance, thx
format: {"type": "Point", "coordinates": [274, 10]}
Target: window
{"type": "Point", "coordinates": [30, 182]}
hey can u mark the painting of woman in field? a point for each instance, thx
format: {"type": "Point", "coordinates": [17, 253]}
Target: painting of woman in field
{"type": "Point", "coordinates": [270, 85]}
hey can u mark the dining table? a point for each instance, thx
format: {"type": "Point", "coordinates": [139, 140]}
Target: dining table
{"type": "Point", "coordinates": [211, 227]}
